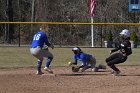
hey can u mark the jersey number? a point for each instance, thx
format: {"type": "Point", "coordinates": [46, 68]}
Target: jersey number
{"type": "Point", "coordinates": [36, 37]}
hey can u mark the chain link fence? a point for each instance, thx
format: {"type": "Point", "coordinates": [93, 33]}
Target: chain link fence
{"type": "Point", "coordinates": [62, 35]}
{"type": "Point", "coordinates": [64, 11]}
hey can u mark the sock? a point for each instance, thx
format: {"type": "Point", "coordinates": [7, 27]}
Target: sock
{"type": "Point", "coordinates": [48, 61]}
{"type": "Point", "coordinates": [39, 64]}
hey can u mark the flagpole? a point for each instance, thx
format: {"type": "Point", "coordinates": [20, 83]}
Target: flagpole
{"type": "Point", "coordinates": [92, 33]}
{"type": "Point", "coordinates": [92, 14]}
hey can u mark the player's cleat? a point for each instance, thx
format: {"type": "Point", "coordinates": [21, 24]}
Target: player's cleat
{"type": "Point", "coordinates": [115, 73]}
{"type": "Point", "coordinates": [48, 70]}
{"type": "Point", "coordinates": [39, 73]}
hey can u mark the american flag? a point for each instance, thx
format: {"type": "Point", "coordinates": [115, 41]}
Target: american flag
{"type": "Point", "coordinates": [92, 7]}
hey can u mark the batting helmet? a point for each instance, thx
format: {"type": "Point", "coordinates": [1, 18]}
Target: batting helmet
{"type": "Point", "coordinates": [76, 50]}
{"type": "Point", "coordinates": [125, 33]}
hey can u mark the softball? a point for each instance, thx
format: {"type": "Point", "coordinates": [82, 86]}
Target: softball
{"type": "Point", "coordinates": [69, 63]}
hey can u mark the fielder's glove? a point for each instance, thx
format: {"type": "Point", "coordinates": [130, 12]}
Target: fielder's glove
{"type": "Point", "coordinates": [45, 48]}
{"type": "Point", "coordinates": [75, 69]}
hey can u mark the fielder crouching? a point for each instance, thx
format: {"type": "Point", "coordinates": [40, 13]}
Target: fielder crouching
{"type": "Point", "coordinates": [88, 61]}
{"type": "Point", "coordinates": [38, 51]}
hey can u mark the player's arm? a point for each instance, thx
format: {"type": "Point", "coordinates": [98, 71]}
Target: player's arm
{"type": "Point", "coordinates": [126, 49]}
{"type": "Point", "coordinates": [84, 63]}
{"type": "Point", "coordinates": [129, 50]}
{"type": "Point", "coordinates": [74, 63]}
{"type": "Point", "coordinates": [116, 49]}
{"type": "Point", "coordinates": [47, 42]}
{"type": "Point", "coordinates": [75, 60]}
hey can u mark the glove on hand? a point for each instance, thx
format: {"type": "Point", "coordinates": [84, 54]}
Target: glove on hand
{"type": "Point", "coordinates": [75, 69]}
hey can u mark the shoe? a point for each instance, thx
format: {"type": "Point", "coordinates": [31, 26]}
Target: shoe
{"type": "Point", "coordinates": [39, 73]}
{"type": "Point", "coordinates": [115, 73]}
{"type": "Point", "coordinates": [48, 70]}
{"type": "Point", "coordinates": [95, 69]}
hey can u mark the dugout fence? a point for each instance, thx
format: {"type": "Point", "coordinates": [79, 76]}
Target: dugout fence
{"type": "Point", "coordinates": [65, 34]}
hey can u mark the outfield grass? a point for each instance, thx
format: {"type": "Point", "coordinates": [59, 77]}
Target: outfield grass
{"type": "Point", "coordinates": [14, 57]}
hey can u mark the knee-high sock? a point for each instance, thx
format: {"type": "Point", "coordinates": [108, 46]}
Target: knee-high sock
{"type": "Point", "coordinates": [48, 62]}
{"type": "Point", "coordinates": [39, 64]}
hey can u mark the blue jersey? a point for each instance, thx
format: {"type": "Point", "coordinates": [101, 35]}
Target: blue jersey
{"type": "Point", "coordinates": [39, 39]}
{"type": "Point", "coordinates": [82, 57]}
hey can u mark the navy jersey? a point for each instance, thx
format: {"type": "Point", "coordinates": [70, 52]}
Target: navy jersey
{"type": "Point", "coordinates": [39, 39]}
{"type": "Point", "coordinates": [82, 57]}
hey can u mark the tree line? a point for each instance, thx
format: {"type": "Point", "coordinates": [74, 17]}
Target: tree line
{"type": "Point", "coordinates": [64, 11]}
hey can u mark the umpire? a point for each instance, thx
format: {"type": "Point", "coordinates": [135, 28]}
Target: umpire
{"type": "Point", "coordinates": [124, 49]}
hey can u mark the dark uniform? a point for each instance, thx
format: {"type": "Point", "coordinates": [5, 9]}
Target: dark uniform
{"type": "Point", "coordinates": [120, 57]}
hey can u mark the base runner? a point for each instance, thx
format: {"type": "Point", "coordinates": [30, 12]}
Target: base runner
{"type": "Point", "coordinates": [121, 56]}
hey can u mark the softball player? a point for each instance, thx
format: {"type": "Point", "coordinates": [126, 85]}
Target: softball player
{"type": "Point", "coordinates": [121, 56]}
{"type": "Point", "coordinates": [86, 59]}
{"type": "Point", "coordinates": [37, 50]}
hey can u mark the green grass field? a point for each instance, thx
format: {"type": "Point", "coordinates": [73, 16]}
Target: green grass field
{"type": "Point", "coordinates": [14, 57]}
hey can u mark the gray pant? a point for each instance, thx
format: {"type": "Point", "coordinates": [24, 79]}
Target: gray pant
{"type": "Point", "coordinates": [40, 53]}
{"type": "Point", "coordinates": [92, 62]}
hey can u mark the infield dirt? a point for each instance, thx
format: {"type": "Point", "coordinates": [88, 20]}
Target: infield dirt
{"type": "Point", "coordinates": [24, 80]}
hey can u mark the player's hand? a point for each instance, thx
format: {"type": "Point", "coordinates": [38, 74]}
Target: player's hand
{"type": "Point", "coordinates": [82, 69]}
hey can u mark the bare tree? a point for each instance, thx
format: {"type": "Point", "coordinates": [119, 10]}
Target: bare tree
{"type": "Point", "coordinates": [32, 14]}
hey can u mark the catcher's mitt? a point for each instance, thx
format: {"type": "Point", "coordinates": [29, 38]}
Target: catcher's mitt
{"type": "Point", "coordinates": [75, 69]}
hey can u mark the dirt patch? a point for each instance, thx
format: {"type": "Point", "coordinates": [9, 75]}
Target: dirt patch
{"type": "Point", "coordinates": [24, 80]}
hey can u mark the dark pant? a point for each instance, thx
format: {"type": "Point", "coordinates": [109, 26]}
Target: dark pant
{"type": "Point", "coordinates": [115, 59]}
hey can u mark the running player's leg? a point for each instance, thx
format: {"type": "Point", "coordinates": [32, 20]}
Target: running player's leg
{"type": "Point", "coordinates": [113, 59]}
